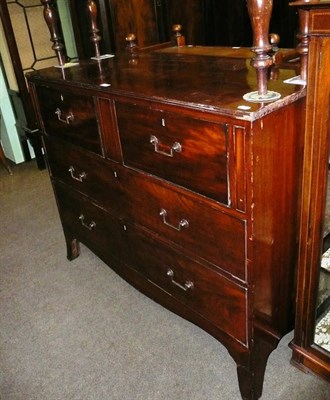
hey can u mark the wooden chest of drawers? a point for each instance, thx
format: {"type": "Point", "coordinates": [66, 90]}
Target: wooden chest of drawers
{"type": "Point", "coordinates": [187, 196]}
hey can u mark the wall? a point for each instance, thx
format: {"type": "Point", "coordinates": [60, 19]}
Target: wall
{"type": "Point", "coordinates": [10, 125]}
{"type": "Point", "coordinates": [9, 135]}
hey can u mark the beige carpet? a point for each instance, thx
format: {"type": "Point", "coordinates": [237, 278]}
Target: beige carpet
{"type": "Point", "coordinates": [74, 331]}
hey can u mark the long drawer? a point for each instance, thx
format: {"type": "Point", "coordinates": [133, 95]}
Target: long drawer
{"type": "Point", "coordinates": [70, 116]}
{"type": "Point", "coordinates": [205, 291]}
{"type": "Point", "coordinates": [100, 231]}
{"type": "Point", "coordinates": [189, 152]}
{"type": "Point", "coordinates": [204, 231]}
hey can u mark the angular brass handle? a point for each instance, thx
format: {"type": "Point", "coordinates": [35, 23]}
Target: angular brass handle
{"type": "Point", "coordinates": [188, 285]}
{"type": "Point", "coordinates": [78, 178]}
{"type": "Point", "coordinates": [182, 224]}
{"type": "Point", "coordinates": [67, 119]}
{"type": "Point", "coordinates": [89, 226]}
{"type": "Point", "coordinates": [176, 147]}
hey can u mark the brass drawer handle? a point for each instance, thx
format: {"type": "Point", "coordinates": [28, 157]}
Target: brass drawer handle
{"type": "Point", "coordinates": [188, 285]}
{"type": "Point", "coordinates": [78, 178]}
{"type": "Point", "coordinates": [67, 119]}
{"type": "Point", "coordinates": [176, 147]}
{"type": "Point", "coordinates": [182, 224]}
{"type": "Point", "coordinates": [89, 226]}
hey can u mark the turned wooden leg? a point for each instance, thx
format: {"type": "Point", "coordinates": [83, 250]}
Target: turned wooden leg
{"type": "Point", "coordinates": [302, 47]}
{"type": "Point", "coordinates": [93, 28]}
{"type": "Point", "coordinates": [51, 19]}
{"type": "Point", "coordinates": [260, 12]}
{"type": "Point", "coordinates": [251, 374]}
{"type": "Point", "coordinates": [178, 37]}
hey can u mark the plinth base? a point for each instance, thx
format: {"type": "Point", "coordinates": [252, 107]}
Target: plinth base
{"type": "Point", "coordinates": [255, 97]}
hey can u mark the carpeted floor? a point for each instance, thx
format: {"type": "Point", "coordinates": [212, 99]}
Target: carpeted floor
{"type": "Point", "coordinates": [75, 330]}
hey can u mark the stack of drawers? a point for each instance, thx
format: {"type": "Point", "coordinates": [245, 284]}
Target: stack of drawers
{"type": "Point", "coordinates": [144, 212]}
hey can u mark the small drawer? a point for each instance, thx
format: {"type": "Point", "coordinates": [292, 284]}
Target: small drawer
{"type": "Point", "coordinates": [197, 227]}
{"type": "Point", "coordinates": [70, 116]}
{"type": "Point", "coordinates": [91, 225]}
{"type": "Point", "coordinates": [198, 287]}
{"type": "Point", "coordinates": [91, 175]}
{"type": "Point", "coordinates": [189, 152]}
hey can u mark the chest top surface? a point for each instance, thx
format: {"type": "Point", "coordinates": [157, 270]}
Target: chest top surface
{"type": "Point", "coordinates": [208, 79]}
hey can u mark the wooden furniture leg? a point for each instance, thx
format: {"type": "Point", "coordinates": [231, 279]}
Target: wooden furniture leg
{"type": "Point", "coordinates": [51, 19]}
{"type": "Point", "coordinates": [251, 372]}
{"type": "Point", "coordinates": [93, 29]}
{"type": "Point", "coordinates": [178, 37]}
{"type": "Point", "coordinates": [260, 12]}
{"type": "Point", "coordinates": [72, 246]}
{"type": "Point", "coordinates": [302, 47]}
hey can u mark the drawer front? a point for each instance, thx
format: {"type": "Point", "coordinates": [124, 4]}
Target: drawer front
{"type": "Point", "coordinates": [98, 179]}
{"type": "Point", "coordinates": [319, 22]}
{"type": "Point", "coordinates": [195, 226]}
{"type": "Point", "coordinates": [91, 225]}
{"type": "Point", "coordinates": [203, 231]}
{"type": "Point", "coordinates": [188, 152]}
{"type": "Point", "coordinates": [205, 291]}
{"type": "Point", "coordinates": [70, 116]}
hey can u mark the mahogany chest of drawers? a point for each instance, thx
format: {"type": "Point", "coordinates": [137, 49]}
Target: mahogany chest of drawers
{"type": "Point", "coordinates": [188, 192]}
